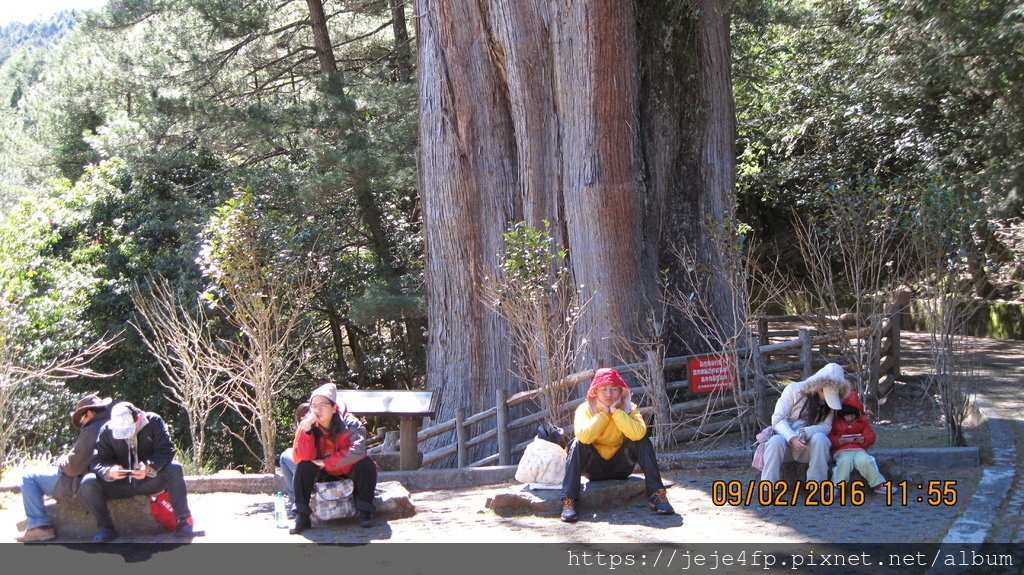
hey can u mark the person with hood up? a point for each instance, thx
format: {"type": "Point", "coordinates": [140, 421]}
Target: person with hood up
{"type": "Point", "coordinates": [89, 416]}
{"type": "Point", "coordinates": [802, 421]}
{"type": "Point", "coordinates": [611, 440]}
{"type": "Point", "coordinates": [851, 436]}
{"type": "Point", "coordinates": [135, 456]}
{"type": "Point", "coordinates": [330, 444]}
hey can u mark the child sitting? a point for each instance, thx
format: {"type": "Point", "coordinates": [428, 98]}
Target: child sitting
{"type": "Point", "coordinates": [851, 435]}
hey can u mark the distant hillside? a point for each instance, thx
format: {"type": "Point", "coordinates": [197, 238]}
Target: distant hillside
{"type": "Point", "coordinates": [37, 34]}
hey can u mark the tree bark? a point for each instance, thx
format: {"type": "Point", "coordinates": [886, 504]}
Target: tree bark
{"type": "Point", "coordinates": [533, 110]}
{"type": "Point", "coordinates": [689, 147]}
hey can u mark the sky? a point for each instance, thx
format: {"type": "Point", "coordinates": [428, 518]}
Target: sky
{"type": "Point", "coordinates": [28, 10]}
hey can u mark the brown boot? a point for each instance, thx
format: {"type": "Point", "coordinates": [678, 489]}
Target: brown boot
{"type": "Point", "coordinates": [37, 535]}
{"type": "Point", "coordinates": [569, 514]}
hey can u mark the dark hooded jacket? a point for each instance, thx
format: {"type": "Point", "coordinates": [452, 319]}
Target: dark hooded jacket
{"type": "Point", "coordinates": [860, 425]}
{"type": "Point", "coordinates": [151, 444]}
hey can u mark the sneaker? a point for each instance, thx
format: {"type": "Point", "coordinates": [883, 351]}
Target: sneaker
{"type": "Point", "coordinates": [186, 528]}
{"type": "Point", "coordinates": [302, 523]}
{"type": "Point", "coordinates": [569, 514]}
{"type": "Point", "coordinates": [659, 503]}
{"type": "Point", "coordinates": [37, 535]}
{"type": "Point", "coordinates": [881, 490]}
{"type": "Point", "coordinates": [105, 536]}
{"type": "Point", "coordinates": [365, 519]}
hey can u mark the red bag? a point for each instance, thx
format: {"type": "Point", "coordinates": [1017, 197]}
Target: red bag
{"type": "Point", "coordinates": [161, 509]}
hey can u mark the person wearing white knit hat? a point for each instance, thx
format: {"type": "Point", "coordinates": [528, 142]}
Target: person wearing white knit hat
{"type": "Point", "coordinates": [330, 443]}
{"type": "Point", "coordinates": [802, 421]}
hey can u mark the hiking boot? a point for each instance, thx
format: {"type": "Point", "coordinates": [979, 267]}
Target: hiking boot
{"type": "Point", "coordinates": [365, 519]}
{"type": "Point", "coordinates": [569, 514]}
{"type": "Point", "coordinates": [302, 523]}
{"type": "Point", "coordinates": [37, 535]}
{"type": "Point", "coordinates": [186, 528]}
{"type": "Point", "coordinates": [659, 503]}
{"type": "Point", "coordinates": [105, 536]}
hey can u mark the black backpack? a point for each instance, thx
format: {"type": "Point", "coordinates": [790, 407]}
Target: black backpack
{"type": "Point", "coordinates": [549, 432]}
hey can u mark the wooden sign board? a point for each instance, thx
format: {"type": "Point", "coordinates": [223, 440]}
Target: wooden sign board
{"type": "Point", "coordinates": [710, 372]}
{"type": "Point", "coordinates": [360, 402]}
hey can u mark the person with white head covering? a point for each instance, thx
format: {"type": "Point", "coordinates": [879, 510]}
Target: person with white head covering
{"type": "Point", "coordinates": [330, 443]}
{"type": "Point", "coordinates": [135, 456]}
{"type": "Point", "coordinates": [802, 421]}
{"type": "Point", "coordinates": [63, 483]}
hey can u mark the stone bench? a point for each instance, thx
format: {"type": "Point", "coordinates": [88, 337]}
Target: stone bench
{"type": "Point", "coordinates": [132, 517]}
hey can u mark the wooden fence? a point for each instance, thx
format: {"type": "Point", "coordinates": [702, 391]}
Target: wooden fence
{"type": "Point", "coordinates": [693, 415]}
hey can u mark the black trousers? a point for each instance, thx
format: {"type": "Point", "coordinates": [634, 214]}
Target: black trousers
{"type": "Point", "coordinates": [95, 492]}
{"type": "Point", "coordinates": [364, 483]}
{"type": "Point", "coordinates": [583, 460]}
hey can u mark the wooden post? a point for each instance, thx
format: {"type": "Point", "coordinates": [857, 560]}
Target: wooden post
{"type": "Point", "coordinates": [659, 399]}
{"type": "Point", "coordinates": [762, 336]}
{"type": "Point", "coordinates": [461, 437]}
{"type": "Point", "coordinates": [806, 357]}
{"type": "Point", "coordinates": [761, 401]}
{"type": "Point", "coordinates": [501, 425]}
{"type": "Point", "coordinates": [408, 448]}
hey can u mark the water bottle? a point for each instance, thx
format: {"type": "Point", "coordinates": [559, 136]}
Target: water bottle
{"type": "Point", "coordinates": [280, 514]}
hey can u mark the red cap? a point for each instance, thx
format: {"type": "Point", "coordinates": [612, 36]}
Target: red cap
{"type": "Point", "coordinates": [606, 376]}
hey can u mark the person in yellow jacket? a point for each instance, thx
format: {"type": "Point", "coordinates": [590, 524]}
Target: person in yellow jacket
{"type": "Point", "coordinates": [611, 440]}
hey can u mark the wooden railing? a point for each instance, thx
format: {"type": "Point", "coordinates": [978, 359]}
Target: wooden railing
{"type": "Point", "coordinates": [692, 416]}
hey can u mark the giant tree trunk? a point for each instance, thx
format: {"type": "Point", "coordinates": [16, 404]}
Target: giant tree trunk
{"type": "Point", "coordinates": [689, 145]}
{"type": "Point", "coordinates": [531, 110]}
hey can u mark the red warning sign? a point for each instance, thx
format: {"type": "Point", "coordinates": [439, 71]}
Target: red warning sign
{"type": "Point", "coordinates": [709, 373]}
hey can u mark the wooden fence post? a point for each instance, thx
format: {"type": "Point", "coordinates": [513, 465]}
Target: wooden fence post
{"type": "Point", "coordinates": [501, 426]}
{"type": "Point", "coordinates": [762, 336]}
{"type": "Point", "coordinates": [461, 437]}
{"type": "Point", "coordinates": [806, 357]}
{"type": "Point", "coordinates": [761, 402]}
{"type": "Point", "coordinates": [659, 399]}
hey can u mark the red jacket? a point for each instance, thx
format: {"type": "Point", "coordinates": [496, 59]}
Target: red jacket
{"type": "Point", "coordinates": [860, 425]}
{"type": "Point", "coordinates": [340, 451]}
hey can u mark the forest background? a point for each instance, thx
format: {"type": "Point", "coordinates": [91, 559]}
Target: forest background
{"type": "Point", "coordinates": [196, 148]}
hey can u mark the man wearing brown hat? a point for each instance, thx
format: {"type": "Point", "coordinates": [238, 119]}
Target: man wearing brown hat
{"type": "Point", "coordinates": [89, 416]}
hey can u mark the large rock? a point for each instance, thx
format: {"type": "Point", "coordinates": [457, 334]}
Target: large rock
{"type": "Point", "coordinates": [519, 500]}
{"type": "Point", "coordinates": [131, 517]}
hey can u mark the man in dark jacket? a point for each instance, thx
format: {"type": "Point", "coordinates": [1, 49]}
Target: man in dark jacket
{"type": "Point", "coordinates": [89, 416]}
{"type": "Point", "coordinates": [135, 456]}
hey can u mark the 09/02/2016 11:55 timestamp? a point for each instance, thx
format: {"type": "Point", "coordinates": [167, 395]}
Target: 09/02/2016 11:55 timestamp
{"type": "Point", "coordinates": [825, 493]}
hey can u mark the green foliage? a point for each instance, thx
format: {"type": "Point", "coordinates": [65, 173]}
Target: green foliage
{"type": "Point", "coordinates": [894, 90]}
{"type": "Point", "coordinates": [531, 267]}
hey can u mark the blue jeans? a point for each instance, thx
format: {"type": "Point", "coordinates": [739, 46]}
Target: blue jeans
{"type": "Point", "coordinates": [34, 488]}
{"type": "Point", "coordinates": [288, 472]}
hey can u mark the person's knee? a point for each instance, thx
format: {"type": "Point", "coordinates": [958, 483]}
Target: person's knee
{"type": "Point", "coordinates": [819, 440]}
{"type": "Point", "coordinates": [90, 486]}
{"type": "Point", "coordinates": [306, 467]}
{"type": "Point", "coordinates": [174, 470]}
{"type": "Point", "coordinates": [777, 444]}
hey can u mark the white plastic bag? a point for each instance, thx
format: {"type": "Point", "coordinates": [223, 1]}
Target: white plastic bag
{"type": "Point", "coordinates": [542, 462]}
